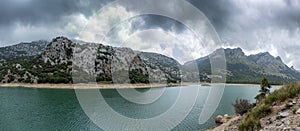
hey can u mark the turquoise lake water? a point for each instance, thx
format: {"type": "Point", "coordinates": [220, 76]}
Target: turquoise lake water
{"type": "Point", "coordinates": [59, 109]}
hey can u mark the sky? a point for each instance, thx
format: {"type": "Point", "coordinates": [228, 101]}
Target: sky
{"type": "Point", "coordinates": [254, 25]}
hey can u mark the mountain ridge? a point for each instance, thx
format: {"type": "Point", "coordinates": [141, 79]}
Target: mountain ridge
{"type": "Point", "coordinates": [53, 62]}
{"type": "Point", "coordinates": [249, 69]}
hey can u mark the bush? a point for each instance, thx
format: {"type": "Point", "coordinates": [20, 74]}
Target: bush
{"type": "Point", "coordinates": [282, 94]}
{"type": "Point", "coordinates": [171, 81]}
{"type": "Point", "coordinates": [137, 76]}
{"type": "Point", "coordinates": [250, 123]}
{"type": "Point", "coordinates": [264, 108]}
{"type": "Point", "coordinates": [262, 111]}
{"type": "Point", "coordinates": [242, 106]}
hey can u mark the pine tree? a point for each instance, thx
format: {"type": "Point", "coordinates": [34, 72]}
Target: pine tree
{"type": "Point", "coordinates": [265, 87]}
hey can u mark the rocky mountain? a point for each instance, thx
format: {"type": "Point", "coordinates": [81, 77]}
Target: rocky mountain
{"type": "Point", "coordinates": [61, 59]}
{"type": "Point", "coordinates": [249, 69]}
{"type": "Point", "coordinates": [170, 67]}
{"type": "Point", "coordinates": [64, 61]}
{"type": "Point", "coordinates": [23, 50]}
{"type": "Point", "coordinates": [59, 51]}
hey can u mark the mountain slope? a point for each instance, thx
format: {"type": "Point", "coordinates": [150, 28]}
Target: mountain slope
{"type": "Point", "coordinates": [23, 50]}
{"type": "Point", "coordinates": [90, 61]}
{"type": "Point", "coordinates": [250, 69]}
{"type": "Point", "coordinates": [57, 61]}
{"type": "Point", "coordinates": [166, 64]}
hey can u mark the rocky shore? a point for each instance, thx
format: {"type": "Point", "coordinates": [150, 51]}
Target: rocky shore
{"type": "Point", "coordinates": [285, 117]}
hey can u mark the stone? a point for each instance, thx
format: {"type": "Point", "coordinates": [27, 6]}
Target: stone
{"type": "Point", "coordinates": [218, 119]}
{"type": "Point", "coordinates": [290, 104]}
{"type": "Point", "coordinates": [298, 111]}
{"type": "Point", "coordinates": [278, 123]}
{"type": "Point", "coordinates": [282, 108]}
{"type": "Point", "coordinates": [286, 128]}
{"type": "Point", "coordinates": [273, 119]}
{"type": "Point", "coordinates": [222, 119]}
{"type": "Point", "coordinates": [283, 114]}
{"type": "Point", "coordinates": [287, 122]}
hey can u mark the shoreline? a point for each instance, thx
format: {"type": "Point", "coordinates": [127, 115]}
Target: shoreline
{"type": "Point", "coordinates": [113, 86]}
{"type": "Point", "coordinates": [87, 86]}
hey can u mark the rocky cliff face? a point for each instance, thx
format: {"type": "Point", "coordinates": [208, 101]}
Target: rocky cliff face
{"type": "Point", "coordinates": [106, 63]}
{"type": "Point", "coordinates": [236, 53]}
{"type": "Point", "coordinates": [164, 67]}
{"type": "Point", "coordinates": [59, 51]}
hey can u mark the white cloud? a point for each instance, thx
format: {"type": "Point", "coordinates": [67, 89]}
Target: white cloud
{"type": "Point", "coordinates": [102, 22]}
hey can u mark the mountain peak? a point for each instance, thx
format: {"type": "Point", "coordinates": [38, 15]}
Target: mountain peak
{"type": "Point", "coordinates": [278, 58]}
{"type": "Point", "coordinates": [234, 53]}
{"type": "Point", "coordinates": [59, 51]}
{"type": "Point", "coordinates": [61, 38]}
{"type": "Point", "coordinates": [265, 54]}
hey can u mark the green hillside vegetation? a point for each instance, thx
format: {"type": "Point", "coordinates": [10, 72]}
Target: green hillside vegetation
{"type": "Point", "coordinates": [45, 72]}
{"type": "Point", "coordinates": [264, 106]}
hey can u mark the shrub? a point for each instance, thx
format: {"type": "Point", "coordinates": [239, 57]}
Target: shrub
{"type": "Point", "coordinates": [242, 106]}
{"type": "Point", "coordinates": [262, 111]}
{"type": "Point", "coordinates": [137, 76]}
{"type": "Point", "coordinates": [250, 123]}
{"type": "Point", "coordinates": [264, 108]}
{"type": "Point", "coordinates": [282, 94]}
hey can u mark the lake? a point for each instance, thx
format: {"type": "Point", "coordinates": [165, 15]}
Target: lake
{"type": "Point", "coordinates": [59, 109]}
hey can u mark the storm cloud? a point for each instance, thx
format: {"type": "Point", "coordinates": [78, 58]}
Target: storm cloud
{"type": "Point", "coordinates": [257, 26]}
{"type": "Point", "coordinates": [254, 25]}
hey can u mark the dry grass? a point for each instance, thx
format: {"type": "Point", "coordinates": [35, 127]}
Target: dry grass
{"type": "Point", "coordinates": [264, 107]}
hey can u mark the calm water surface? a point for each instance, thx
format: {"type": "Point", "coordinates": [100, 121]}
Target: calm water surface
{"type": "Point", "coordinates": [59, 109]}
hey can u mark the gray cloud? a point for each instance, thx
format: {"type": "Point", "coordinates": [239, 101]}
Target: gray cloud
{"type": "Point", "coordinates": [41, 18]}
{"type": "Point", "coordinates": [257, 25]}
{"type": "Point", "coordinates": [253, 25]}
{"type": "Point", "coordinates": [44, 11]}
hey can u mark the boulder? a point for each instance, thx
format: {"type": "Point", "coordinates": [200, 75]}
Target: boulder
{"type": "Point", "coordinates": [283, 114]}
{"type": "Point", "coordinates": [298, 111]}
{"type": "Point", "coordinates": [218, 119]}
{"type": "Point", "coordinates": [282, 107]}
{"type": "Point", "coordinates": [290, 104]}
{"type": "Point", "coordinates": [287, 122]}
{"type": "Point", "coordinates": [222, 119]}
{"type": "Point", "coordinates": [272, 119]}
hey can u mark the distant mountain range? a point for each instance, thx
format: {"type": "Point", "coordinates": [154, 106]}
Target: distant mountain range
{"type": "Point", "coordinates": [250, 69]}
{"type": "Point", "coordinates": [55, 61]}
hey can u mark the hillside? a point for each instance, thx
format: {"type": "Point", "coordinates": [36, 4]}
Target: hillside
{"type": "Point", "coordinates": [250, 69]}
{"type": "Point", "coordinates": [58, 60]}
{"type": "Point", "coordinates": [23, 50]}
{"type": "Point", "coordinates": [89, 61]}
{"type": "Point", "coordinates": [280, 111]}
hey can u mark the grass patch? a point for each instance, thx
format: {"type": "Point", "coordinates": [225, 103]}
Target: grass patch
{"type": "Point", "coordinates": [264, 107]}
